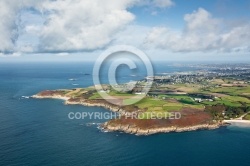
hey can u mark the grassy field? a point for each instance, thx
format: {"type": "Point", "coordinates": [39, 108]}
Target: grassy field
{"type": "Point", "coordinates": [164, 103]}
{"type": "Point", "coordinates": [95, 96]}
{"type": "Point", "coordinates": [234, 91]}
{"type": "Point", "coordinates": [150, 103]}
{"type": "Point", "coordinates": [247, 117]}
{"type": "Point", "coordinates": [163, 107]}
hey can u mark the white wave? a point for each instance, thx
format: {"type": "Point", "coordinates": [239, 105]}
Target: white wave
{"type": "Point", "coordinates": [72, 79]}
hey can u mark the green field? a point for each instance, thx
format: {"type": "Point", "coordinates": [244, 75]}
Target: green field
{"type": "Point", "coordinates": [181, 96]}
{"type": "Point", "coordinates": [247, 117]}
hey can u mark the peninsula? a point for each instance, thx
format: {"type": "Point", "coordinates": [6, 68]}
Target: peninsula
{"type": "Point", "coordinates": [204, 100]}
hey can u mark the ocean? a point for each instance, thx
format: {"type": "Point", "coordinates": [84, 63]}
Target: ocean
{"type": "Point", "coordinates": [39, 132]}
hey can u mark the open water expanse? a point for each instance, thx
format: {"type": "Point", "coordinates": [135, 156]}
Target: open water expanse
{"type": "Point", "coordinates": [39, 132]}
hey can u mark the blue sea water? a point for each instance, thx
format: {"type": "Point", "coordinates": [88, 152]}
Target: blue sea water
{"type": "Point", "coordinates": [38, 132]}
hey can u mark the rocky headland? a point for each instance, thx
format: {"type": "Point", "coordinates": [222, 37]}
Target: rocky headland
{"type": "Point", "coordinates": [191, 119]}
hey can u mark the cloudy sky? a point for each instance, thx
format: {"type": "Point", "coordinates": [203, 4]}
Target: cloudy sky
{"type": "Point", "coordinates": [37, 30]}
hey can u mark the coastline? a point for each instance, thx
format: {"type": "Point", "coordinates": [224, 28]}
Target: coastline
{"type": "Point", "coordinates": [238, 122]}
{"type": "Point", "coordinates": [132, 129]}
{"type": "Point", "coordinates": [139, 131]}
{"type": "Point", "coordinates": [84, 103]}
{"type": "Point", "coordinates": [51, 97]}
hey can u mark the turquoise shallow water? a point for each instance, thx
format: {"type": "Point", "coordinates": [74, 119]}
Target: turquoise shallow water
{"type": "Point", "coordinates": [38, 132]}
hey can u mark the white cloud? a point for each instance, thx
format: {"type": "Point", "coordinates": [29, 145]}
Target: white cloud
{"type": "Point", "coordinates": [11, 55]}
{"type": "Point", "coordinates": [83, 25]}
{"type": "Point", "coordinates": [70, 25]}
{"type": "Point", "coordinates": [33, 29]}
{"type": "Point", "coordinates": [155, 3]}
{"type": "Point", "coordinates": [92, 24]}
{"type": "Point", "coordinates": [62, 54]}
{"type": "Point", "coordinates": [203, 33]}
{"type": "Point", "coordinates": [154, 13]}
{"type": "Point", "coordinates": [7, 26]}
{"type": "Point", "coordinates": [132, 35]}
{"type": "Point", "coordinates": [163, 3]}
{"type": "Point", "coordinates": [9, 15]}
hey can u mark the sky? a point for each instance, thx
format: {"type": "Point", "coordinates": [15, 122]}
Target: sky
{"type": "Point", "coordinates": [174, 30]}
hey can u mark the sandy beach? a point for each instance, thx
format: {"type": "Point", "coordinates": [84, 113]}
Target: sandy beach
{"type": "Point", "coordinates": [51, 97]}
{"type": "Point", "coordinates": [236, 122]}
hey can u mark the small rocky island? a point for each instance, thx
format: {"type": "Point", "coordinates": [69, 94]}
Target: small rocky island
{"type": "Point", "coordinates": [203, 104]}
